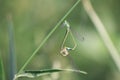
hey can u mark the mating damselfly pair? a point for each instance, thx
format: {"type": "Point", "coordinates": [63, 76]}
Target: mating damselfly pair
{"type": "Point", "coordinates": [65, 49]}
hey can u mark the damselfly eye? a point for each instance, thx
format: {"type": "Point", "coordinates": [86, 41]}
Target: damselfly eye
{"type": "Point", "coordinates": [68, 48]}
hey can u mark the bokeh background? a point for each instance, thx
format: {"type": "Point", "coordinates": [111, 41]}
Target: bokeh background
{"type": "Point", "coordinates": [34, 19]}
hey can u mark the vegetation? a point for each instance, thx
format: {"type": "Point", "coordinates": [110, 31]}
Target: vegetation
{"type": "Point", "coordinates": [46, 39]}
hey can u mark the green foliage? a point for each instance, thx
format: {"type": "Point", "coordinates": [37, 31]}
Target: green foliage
{"type": "Point", "coordinates": [34, 19]}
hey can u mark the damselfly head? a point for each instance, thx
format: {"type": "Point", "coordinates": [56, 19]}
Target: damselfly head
{"type": "Point", "coordinates": [66, 24]}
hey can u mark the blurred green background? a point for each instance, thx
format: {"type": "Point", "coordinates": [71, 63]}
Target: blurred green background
{"type": "Point", "coordinates": [34, 19]}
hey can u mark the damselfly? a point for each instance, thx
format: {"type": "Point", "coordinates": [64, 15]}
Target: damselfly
{"type": "Point", "coordinates": [65, 49]}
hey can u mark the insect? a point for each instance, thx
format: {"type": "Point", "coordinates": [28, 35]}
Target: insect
{"type": "Point", "coordinates": [64, 49]}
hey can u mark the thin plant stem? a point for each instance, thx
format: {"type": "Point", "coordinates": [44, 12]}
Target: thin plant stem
{"type": "Point", "coordinates": [47, 37]}
{"type": "Point", "coordinates": [102, 31]}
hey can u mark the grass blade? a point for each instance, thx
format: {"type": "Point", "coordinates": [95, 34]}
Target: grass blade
{"type": "Point", "coordinates": [2, 72]}
{"type": "Point", "coordinates": [12, 57]}
{"type": "Point", "coordinates": [38, 73]}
